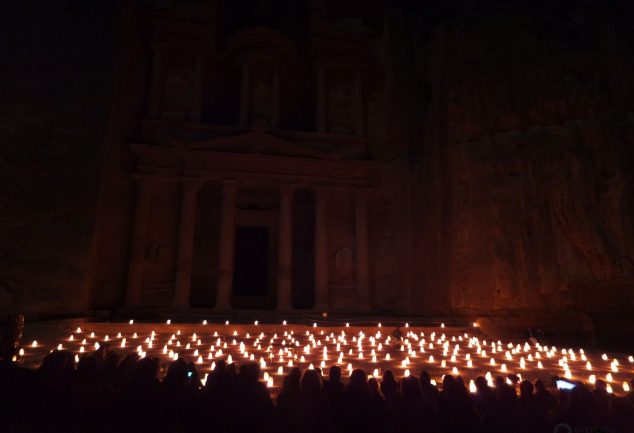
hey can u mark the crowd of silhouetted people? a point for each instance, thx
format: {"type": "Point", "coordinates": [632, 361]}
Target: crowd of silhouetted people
{"type": "Point", "coordinates": [107, 393]}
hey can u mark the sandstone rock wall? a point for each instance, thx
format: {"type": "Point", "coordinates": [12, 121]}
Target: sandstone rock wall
{"type": "Point", "coordinates": [527, 160]}
{"type": "Point", "coordinates": [56, 86]}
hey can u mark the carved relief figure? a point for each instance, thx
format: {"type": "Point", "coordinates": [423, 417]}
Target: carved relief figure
{"type": "Point", "coordinates": [159, 265]}
{"type": "Point", "coordinates": [261, 100]}
{"type": "Point", "coordinates": [340, 107]}
{"type": "Point", "coordinates": [344, 265]}
{"type": "Point", "coordinates": [177, 94]}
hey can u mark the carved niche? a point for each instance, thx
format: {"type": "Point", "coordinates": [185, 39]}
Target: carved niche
{"type": "Point", "coordinates": [340, 108]}
{"type": "Point", "coordinates": [261, 54]}
{"type": "Point", "coordinates": [177, 87]}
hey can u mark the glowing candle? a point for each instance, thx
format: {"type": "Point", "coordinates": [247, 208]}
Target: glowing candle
{"type": "Point", "coordinates": [592, 379]}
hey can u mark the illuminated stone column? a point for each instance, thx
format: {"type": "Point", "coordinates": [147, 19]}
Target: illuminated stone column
{"type": "Point", "coordinates": [139, 240]}
{"type": "Point", "coordinates": [197, 89]}
{"type": "Point", "coordinates": [227, 244]}
{"type": "Point", "coordinates": [182, 288]}
{"type": "Point", "coordinates": [285, 249]}
{"type": "Point", "coordinates": [157, 83]}
{"type": "Point", "coordinates": [321, 251]}
{"type": "Point", "coordinates": [359, 127]}
{"type": "Point", "coordinates": [245, 93]}
{"type": "Point", "coordinates": [361, 249]}
{"type": "Point", "coordinates": [321, 99]}
{"type": "Point", "coordinates": [275, 101]}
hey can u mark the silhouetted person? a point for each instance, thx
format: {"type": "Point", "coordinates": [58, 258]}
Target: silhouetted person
{"type": "Point", "coordinates": [333, 389]}
{"type": "Point", "coordinates": [91, 399]}
{"type": "Point", "coordinates": [251, 397]}
{"type": "Point", "coordinates": [581, 411]}
{"type": "Point", "coordinates": [545, 402]}
{"type": "Point", "coordinates": [412, 412]}
{"type": "Point", "coordinates": [429, 390]}
{"type": "Point", "coordinates": [484, 398]}
{"type": "Point", "coordinates": [111, 373]}
{"type": "Point", "coordinates": [375, 389]}
{"type": "Point", "coordinates": [503, 416]}
{"type": "Point", "coordinates": [621, 415]}
{"type": "Point", "coordinates": [310, 412]}
{"type": "Point", "coordinates": [358, 403]}
{"type": "Point", "coordinates": [140, 398]}
{"type": "Point", "coordinates": [527, 413]}
{"type": "Point", "coordinates": [52, 392]}
{"type": "Point", "coordinates": [456, 410]}
{"type": "Point", "coordinates": [176, 397]}
{"type": "Point", "coordinates": [389, 387]}
{"type": "Point", "coordinates": [290, 392]}
{"type": "Point", "coordinates": [601, 397]}
{"type": "Point", "coordinates": [217, 397]}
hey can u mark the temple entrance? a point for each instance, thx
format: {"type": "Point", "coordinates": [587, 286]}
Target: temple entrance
{"type": "Point", "coordinates": [251, 267]}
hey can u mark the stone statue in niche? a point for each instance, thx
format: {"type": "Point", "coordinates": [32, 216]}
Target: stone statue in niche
{"type": "Point", "coordinates": [159, 265]}
{"type": "Point", "coordinates": [344, 265]}
{"type": "Point", "coordinates": [340, 109]}
{"type": "Point", "coordinates": [177, 94]}
{"type": "Point", "coordinates": [261, 100]}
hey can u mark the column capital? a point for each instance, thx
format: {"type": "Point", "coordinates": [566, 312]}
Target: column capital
{"type": "Point", "coordinates": [142, 179]}
{"type": "Point", "coordinates": [191, 182]}
{"type": "Point", "coordinates": [287, 188]}
{"type": "Point", "coordinates": [321, 189]}
{"type": "Point", "coordinates": [229, 186]}
{"type": "Point", "coordinates": [361, 194]}
{"type": "Point", "coordinates": [230, 183]}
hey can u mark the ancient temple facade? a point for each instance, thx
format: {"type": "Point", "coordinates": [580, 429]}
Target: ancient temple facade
{"type": "Point", "coordinates": [247, 169]}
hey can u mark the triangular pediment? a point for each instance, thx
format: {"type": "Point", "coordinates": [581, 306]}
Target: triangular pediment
{"type": "Point", "coordinates": [256, 143]}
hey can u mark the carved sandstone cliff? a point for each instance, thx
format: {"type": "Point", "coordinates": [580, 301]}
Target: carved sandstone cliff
{"type": "Point", "coordinates": [527, 162]}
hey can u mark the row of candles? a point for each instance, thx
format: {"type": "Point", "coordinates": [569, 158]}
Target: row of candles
{"type": "Point", "coordinates": [280, 348]}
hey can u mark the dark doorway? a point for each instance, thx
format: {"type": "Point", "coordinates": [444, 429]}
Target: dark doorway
{"type": "Point", "coordinates": [251, 269]}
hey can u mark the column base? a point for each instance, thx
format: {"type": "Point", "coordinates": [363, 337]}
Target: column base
{"type": "Point", "coordinates": [223, 309]}
{"type": "Point", "coordinates": [321, 309]}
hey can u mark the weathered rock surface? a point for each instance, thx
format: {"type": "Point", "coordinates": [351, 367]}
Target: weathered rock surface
{"type": "Point", "coordinates": [56, 85]}
{"type": "Point", "coordinates": [528, 160]}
